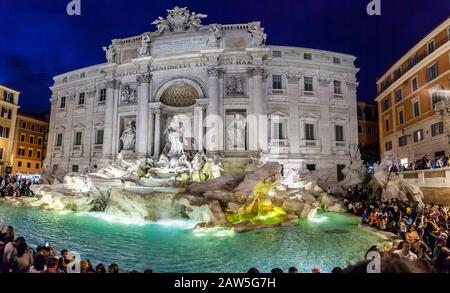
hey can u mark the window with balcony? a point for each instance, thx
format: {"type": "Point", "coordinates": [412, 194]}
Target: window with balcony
{"type": "Point", "coordinates": [81, 98]}
{"type": "Point", "coordinates": [307, 56]}
{"type": "Point", "coordinates": [402, 140]}
{"type": "Point", "coordinates": [432, 72]}
{"type": "Point", "coordinates": [309, 132]}
{"type": "Point", "coordinates": [437, 128]}
{"type": "Point", "coordinates": [418, 135]}
{"type": "Point", "coordinates": [337, 87]}
{"type": "Point", "coordinates": [388, 146]}
{"type": "Point", "coordinates": [77, 138]}
{"type": "Point", "coordinates": [398, 95]}
{"type": "Point", "coordinates": [308, 83]}
{"type": "Point", "coordinates": [414, 84]}
{"type": "Point", "coordinates": [277, 82]}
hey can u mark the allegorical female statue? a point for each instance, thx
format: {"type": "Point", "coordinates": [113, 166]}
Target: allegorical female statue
{"type": "Point", "coordinates": [174, 146]}
{"type": "Point", "coordinates": [128, 137]}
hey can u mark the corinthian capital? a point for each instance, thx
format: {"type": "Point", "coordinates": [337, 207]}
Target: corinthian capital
{"type": "Point", "coordinates": [351, 84]}
{"type": "Point", "coordinates": [324, 82]}
{"type": "Point", "coordinates": [113, 84]}
{"type": "Point", "coordinates": [144, 78]}
{"type": "Point", "coordinates": [258, 71]}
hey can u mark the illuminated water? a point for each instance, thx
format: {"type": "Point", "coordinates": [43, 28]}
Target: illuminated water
{"type": "Point", "coordinates": [172, 246]}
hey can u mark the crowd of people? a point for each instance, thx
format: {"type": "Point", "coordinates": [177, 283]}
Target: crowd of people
{"type": "Point", "coordinates": [424, 229]}
{"type": "Point", "coordinates": [16, 256]}
{"type": "Point", "coordinates": [16, 186]}
{"type": "Point", "coordinates": [423, 164]}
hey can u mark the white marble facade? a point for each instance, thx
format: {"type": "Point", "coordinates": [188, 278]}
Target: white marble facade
{"type": "Point", "coordinates": [233, 94]}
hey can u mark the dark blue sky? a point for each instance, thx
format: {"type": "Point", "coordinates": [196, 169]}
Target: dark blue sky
{"type": "Point", "coordinates": [39, 40]}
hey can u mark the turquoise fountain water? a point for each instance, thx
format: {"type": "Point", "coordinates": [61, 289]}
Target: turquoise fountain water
{"type": "Point", "coordinates": [173, 246]}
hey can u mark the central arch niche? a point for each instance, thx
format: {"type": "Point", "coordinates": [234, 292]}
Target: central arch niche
{"type": "Point", "coordinates": [179, 95]}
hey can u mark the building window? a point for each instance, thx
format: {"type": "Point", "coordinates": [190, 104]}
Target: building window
{"type": "Point", "coordinates": [37, 166]}
{"type": "Point", "coordinates": [418, 135]}
{"type": "Point", "coordinates": [311, 167]}
{"type": "Point", "coordinates": [276, 54]}
{"type": "Point", "coordinates": [437, 128]}
{"type": "Point", "coordinates": [401, 117]}
{"type": "Point", "coordinates": [31, 139]}
{"type": "Point", "coordinates": [59, 139]}
{"type": "Point", "coordinates": [38, 154]}
{"type": "Point", "coordinates": [388, 146]}
{"type": "Point", "coordinates": [397, 73]}
{"type": "Point", "coordinates": [64, 80]}
{"type": "Point", "coordinates": [336, 60]}
{"type": "Point", "coordinates": [28, 165]}
{"type": "Point", "coordinates": [436, 97]}
{"type": "Point", "coordinates": [75, 168]}
{"type": "Point", "coordinates": [370, 130]}
{"type": "Point", "coordinates": [398, 95]}
{"type": "Point", "coordinates": [339, 132]}
{"type": "Point", "coordinates": [403, 140]}
{"type": "Point", "coordinates": [41, 129]}
{"type": "Point", "coordinates": [102, 97]}
{"type": "Point", "coordinates": [62, 103]}
{"type": "Point", "coordinates": [386, 104]}
{"type": "Point", "coordinates": [340, 175]}
{"type": "Point", "coordinates": [19, 164]}
{"type": "Point", "coordinates": [81, 99]}
{"type": "Point", "coordinates": [432, 72]}
{"type": "Point", "coordinates": [77, 138]}
{"type": "Point", "coordinates": [387, 125]}
{"type": "Point", "coordinates": [359, 129]}
{"type": "Point", "coordinates": [83, 75]}
{"type": "Point", "coordinates": [307, 56]}
{"type": "Point", "coordinates": [308, 84]}
{"type": "Point", "coordinates": [22, 137]}
{"type": "Point", "coordinates": [32, 127]}
{"type": "Point", "coordinates": [309, 132]}
{"type": "Point", "coordinates": [4, 132]}
{"type": "Point", "coordinates": [30, 153]}
{"type": "Point", "coordinates": [414, 84]}
{"type": "Point", "coordinates": [39, 141]}
{"type": "Point", "coordinates": [21, 151]}
{"type": "Point", "coordinates": [337, 87]}
{"type": "Point", "coordinates": [1, 153]}
{"type": "Point", "coordinates": [99, 136]}
{"type": "Point", "coordinates": [9, 97]}
{"type": "Point", "coordinates": [413, 61]}
{"type": "Point", "coordinates": [431, 47]}
{"type": "Point", "coordinates": [416, 107]}
{"type": "Point", "coordinates": [276, 82]}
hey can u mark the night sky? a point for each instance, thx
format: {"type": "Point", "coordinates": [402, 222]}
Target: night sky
{"type": "Point", "coordinates": [39, 40]}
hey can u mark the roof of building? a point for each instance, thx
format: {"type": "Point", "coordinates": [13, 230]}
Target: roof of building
{"type": "Point", "coordinates": [39, 117]}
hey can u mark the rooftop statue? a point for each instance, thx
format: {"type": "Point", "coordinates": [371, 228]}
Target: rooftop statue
{"type": "Point", "coordinates": [179, 20]}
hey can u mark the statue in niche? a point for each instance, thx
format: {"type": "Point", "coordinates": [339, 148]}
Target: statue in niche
{"type": "Point", "coordinates": [128, 137]}
{"type": "Point", "coordinates": [110, 53]}
{"type": "Point", "coordinates": [144, 49]}
{"type": "Point", "coordinates": [258, 36]}
{"type": "Point", "coordinates": [236, 133]}
{"type": "Point", "coordinates": [214, 37]}
{"type": "Point", "coordinates": [174, 145]}
{"type": "Point", "coordinates": [128, 95]}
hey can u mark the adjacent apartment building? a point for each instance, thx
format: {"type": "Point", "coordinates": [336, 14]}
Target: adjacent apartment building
{"type": "Point", "coordinates": [411, 97]}
{"type": "Point", "coordinates": [9, 100]}
{"type": "Point", "coordinates": [29, 144]}
{"type": "Point", "coordinates": [368, 137]}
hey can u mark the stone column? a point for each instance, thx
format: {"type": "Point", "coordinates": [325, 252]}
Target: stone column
{"type": "Point", "coordinates": [109, 117]}
{"type": "Point", "coordinates": [293, 92]}
{"type": "Point", "coordinates": [353, 113]}
{"type": "Point", "coordinates": [325, 131]}
{"type": "Point", "coordinates": [142, 115]}
{"type": "Point", "coordinates": [213, 120]}
{"type": "Point", "coordinates": [157, 143]}
{"type": "Point", "coordinates": [259, 110]}
{"type": "Point", "coordinates": [198, 127]}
